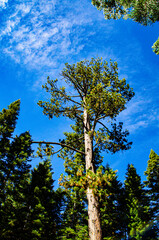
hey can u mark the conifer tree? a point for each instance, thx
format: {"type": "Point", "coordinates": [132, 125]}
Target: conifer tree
{"type": "Point", "coordinates": [152, 186]}
{"type": "Point", "coordinates": [137, 204]}
{"type": "Point", "coordinates": [44, 204]}
{"type": "Point", "coordinates": [152, 182]}
{"type": "Point", "coordinates": [15, 152]}
{"type": "Point", "coordinates": [97, 94]}
{"type": "Point", "coordinates": [111, 206]}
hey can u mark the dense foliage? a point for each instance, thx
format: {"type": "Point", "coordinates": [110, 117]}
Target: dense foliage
{"type": "Point", "coordinates": [94, 97]}
{"type": "Point", "coordinates": [31, 209]}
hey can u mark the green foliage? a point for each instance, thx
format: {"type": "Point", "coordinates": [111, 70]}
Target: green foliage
{"type": "Point", "coordinates": [97, 94]}
{"type": "Point", "coordinates": [152, 182]}
{"type": "Point", "coordinates": [29, 208]}
{"type": "Point", "coordinates": [111, 206]}
{"type": "Point", "coordinates": [145, 12]}
{"type": "Point", "coordinates": [44, 205]}
{"type": "Point", "coordinates": [155, 47]}
{"type": "Point", "coordinates": [95, 86]}
{"type": "Point", "coordinates": [137, 203]}
{"type": "Point", "coordinates": [15, 154]}
{"type": "Point", "coordinates": [74, 225]}
{"type": "Point", "coordinates": [142, 11]}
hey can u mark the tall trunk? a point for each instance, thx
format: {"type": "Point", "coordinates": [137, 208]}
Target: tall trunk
{"type": "Point", "coordinates": [94, 225]}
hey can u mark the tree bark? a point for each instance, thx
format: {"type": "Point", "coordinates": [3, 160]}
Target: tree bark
{"type": "Point", "coordinates": [94, 224]}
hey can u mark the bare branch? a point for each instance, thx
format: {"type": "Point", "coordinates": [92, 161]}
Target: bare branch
{"type": "Point", "coordinates": [58, 150]}
{"type": "Point", "coordinates": [100, 118]}
{"type": "Point", "coordinates": [69, 98]}
{"type": "Point", "coordinates": [61, 144]}
{"type": "Point", "coordinates": [102, 124]}
{"type": "Point", "coordinates": [77, 86]}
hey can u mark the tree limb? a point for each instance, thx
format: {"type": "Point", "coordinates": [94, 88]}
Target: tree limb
{"type": "Point", "coordinates": [61, 144]}
{"type": "Point", "coordinates": [102, 124]}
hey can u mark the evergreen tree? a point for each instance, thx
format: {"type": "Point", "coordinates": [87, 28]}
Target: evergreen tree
{"type": "Point", "coordinates": [44, 204]}
{"type": "Point", "coordinates": [111, 206]}
{"type": "Point", "coordinates": [152, 182]}
{"type": "Point", "coordinates": [137, 204]}
{"type": "Point", "coordinates": [15, 152]}
{"type": "Point", "coordinates": [100, 95]}
{"type": "Point", "coordinates": [152, 185]}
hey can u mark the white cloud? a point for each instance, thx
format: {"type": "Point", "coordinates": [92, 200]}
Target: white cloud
{"type": "Point", "coordinates": [3, 3]}
{"type": "Point", "coordinates": [140, 113]}
{"type": "Point", "coordinates": [38, 36]}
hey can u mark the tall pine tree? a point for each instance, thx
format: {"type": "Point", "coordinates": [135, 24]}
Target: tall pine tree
{"type": "Point", "coordinates": [97, 94]}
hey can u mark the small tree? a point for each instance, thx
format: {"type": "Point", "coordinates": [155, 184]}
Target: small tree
{"type": "Point", "coordinates": [137, 204]}
{"type": "Point", "coordinates": [97, 94]}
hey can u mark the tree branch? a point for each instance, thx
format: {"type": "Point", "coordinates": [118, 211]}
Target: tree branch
{"type": "Point", "coordinates": [61, 144]}
{"type": "Point", "coordinates": [68, 97]}
{"type": "Point", "coordinates": [102, 124]}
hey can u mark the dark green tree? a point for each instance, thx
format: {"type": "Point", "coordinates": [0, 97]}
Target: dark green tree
{"type": "Point", "coordinates": [97, 94]}
{"type": "Point", "coordinates": [111, 198]}
{"type": "Point", "coordinates": [137, 207]}
{"type": "Point", "coordinates": [15, 153]}
{"type": "Point", "coordinates": [152, 183]}
{"type": "Point", "coordinates": [44, 204]}
{"type": "Point", "coordinates": [152, 186]}
{"type": "Point", "coordinates": [144, 12]}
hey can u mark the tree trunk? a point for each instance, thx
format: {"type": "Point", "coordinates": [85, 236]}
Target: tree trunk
{"type": "Point", "coordinates": [94, 225]}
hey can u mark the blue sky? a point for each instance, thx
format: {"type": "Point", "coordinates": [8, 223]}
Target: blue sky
{"type": "Point", "coordinates": [38, 37]}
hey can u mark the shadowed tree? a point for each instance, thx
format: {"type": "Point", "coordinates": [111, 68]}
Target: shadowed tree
{"type": "Point", "coordinates": [152, 186]}
{"type": "Point", "coordinates": [15, 152]}
{"type": "Point", "coordinates": [152, 183]}
{"type": "Point", "coordinates": [44, 204]}
{"type": "Point", "coordinates": [97, 94]}
{"type": "Point", "coordinates": [137, 207]}
{"type": "Point", "coordinates": [111, 198]}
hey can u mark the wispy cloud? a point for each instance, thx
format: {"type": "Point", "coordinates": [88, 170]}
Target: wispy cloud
{"type": "Point", "coordinates": [141, 113]}
{"type": "Point", "coordinates": [37, 34]}
{"type": "Point", "coordinates": [3, 3]}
